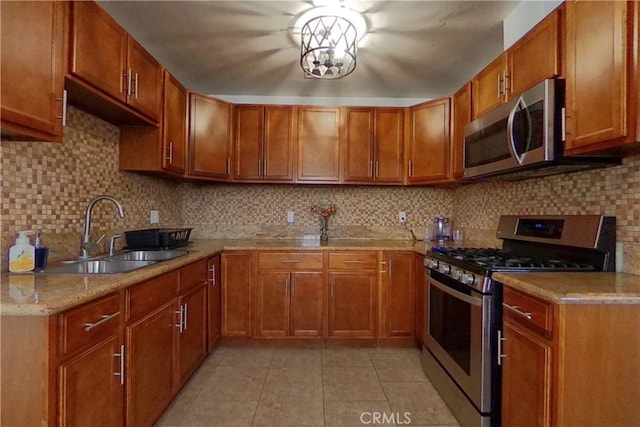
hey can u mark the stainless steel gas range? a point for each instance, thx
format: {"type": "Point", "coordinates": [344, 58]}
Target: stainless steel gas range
{"type": "Point", "coordinates": [463, 304]}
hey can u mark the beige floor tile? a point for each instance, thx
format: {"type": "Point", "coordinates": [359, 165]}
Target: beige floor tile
{"type": "Point", "coordinates": [349, 414]}
{"type": "Point", "coordinates": [398, 366]}
{"type": "Point", "coordinates": [350, 384]}
{"type": "Point", "coordinates": [341, 357]}
{"type": "Point", "coordinates": [211, 412]}
{"type": "Point", "coordinates": [235, 383]}
{"type": "Point", "coordinates": [311, 375]}
{"type": "Point", "coordinates": [420, 400]}
{"type": "Point", "coordinates": [247, 356]}
{"type": "Point", "coordinates": [297, 357]}
{"type": "Point", "coordinates": [287, 404]}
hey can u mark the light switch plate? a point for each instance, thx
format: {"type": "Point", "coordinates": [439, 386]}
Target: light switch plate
{"type": "Point", "coordinates": [155, 216]}
{"type": "Point", "coordinates": [290, 217]}
{"type": "Point", "coordinates": [402, 216]}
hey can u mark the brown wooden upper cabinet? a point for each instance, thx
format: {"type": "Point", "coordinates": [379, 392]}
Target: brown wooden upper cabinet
{"type": "Point", "coordinates": [160, 149]}
{"type": "Point", "coordinates": [209, 137]}
{"type": "Point", "coordinates": [318, 144]}
{"type": "Point", "coordinates": [461, 116]}
{"type": "Point", "coordinates": [32, 75]}
{"type": "Point", "coordinates": [104, 56]}
{"type": "Point", "coordinates": [373, 145]}
{"type": "Point", "coordinates": [530, 60]}
{"type": "Point", "coordinates": [264, 143]}
{"type": "Point", "coordinates": [427, 148]}
{"type": "Point", "coordinates": [602, 71]}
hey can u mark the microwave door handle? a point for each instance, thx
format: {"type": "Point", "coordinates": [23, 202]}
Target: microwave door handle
{"type": "Point", "coordinates": [510, 138]}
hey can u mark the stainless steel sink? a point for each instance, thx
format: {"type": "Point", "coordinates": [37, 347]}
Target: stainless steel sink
{"type": "Point", "coordinates": [149, 255]}
{"type": "Point", "coordinates": [101, 266]}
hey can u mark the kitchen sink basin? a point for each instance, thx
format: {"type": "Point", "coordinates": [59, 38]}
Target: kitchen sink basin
{"type": "Point", "coordinates": [101, 266]}
{"type": "Point", "coordinates": [149, 255]}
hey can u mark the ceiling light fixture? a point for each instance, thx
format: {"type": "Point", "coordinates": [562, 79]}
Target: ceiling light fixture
{"type": "Point", "coordinates": [328, 47]}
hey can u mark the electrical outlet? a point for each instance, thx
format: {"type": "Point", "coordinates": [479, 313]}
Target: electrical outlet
{"type": "Point", "coordinates": [402, 216]}
{"type": "Point", "coordinates": [155, 216]}
{"type": "Point", "coordinates": [291, 217]}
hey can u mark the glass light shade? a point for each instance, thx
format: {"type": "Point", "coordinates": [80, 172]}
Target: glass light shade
{"type": "Point", "coordinates": [328, 47]}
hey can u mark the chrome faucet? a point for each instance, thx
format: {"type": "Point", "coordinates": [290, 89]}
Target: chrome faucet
{"type": "Point", "coordinates": [87, 245]}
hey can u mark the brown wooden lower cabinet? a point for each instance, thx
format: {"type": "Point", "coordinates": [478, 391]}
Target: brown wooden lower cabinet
{"type": "Point", "coordinates": [237, 277]}
{"type": "Point", "coordinates": [192, 339]}
{"type": "Point", "coordinates": [398, 294]}
{"type": "Point", "coordinates": [353, 307]}
{"type": "Point", "coordinates": [568, 364]}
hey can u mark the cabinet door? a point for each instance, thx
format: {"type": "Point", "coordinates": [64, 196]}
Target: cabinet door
{"type": "Point", "coordinates": [352, 304]}
{"type": "Point", "coordinates": [599, 75]}
{"type": "Point", "coordinates": [150, 362]}
{"type": "Point", "coordinates": [461, 116]}
{"type": "Point", "coordinates": [398, 295]}
{"type": "Point", "coordinates": [98, 49]}
{"type": "Point", "coordinates": [32, 68]}
{"type": "Point", "coordinates": [319, 144]}
{"type": "Point", "coordinates": [535, 57]}
{"type": "Point", "coordinates": [236, 294]}
{"type": "Point", "coordinates": [389, 138]}
{"type": "Point", "coordinates": [249, 128]}
{"type": "Point", "coordinates": [428, 148]}
{"type": "Point", "coordinates": [272, 304]}
{"type": "Point", "coordinates": [358, 143]}
{"type": "Point", "coordinates": [90, 393]}
{"type": "Point", "coordinates": [144, 76]}
{"type": "Point", "coordinates": [488, 87]}
{"type": "Point", "coordinates": [174, 122]}
{"type": "Point", "coordinates": [192, 342]}
{"type": "Point", "coordinates": [277, 152]}
{"type": "Point", "coordinates": [306, 304]}
{"type": "Point", "coordinates": [209, 137]}
{"type": "Point", "coordinates": [526, 379]}
{"type": "Point", "coordinates": [214, 285]}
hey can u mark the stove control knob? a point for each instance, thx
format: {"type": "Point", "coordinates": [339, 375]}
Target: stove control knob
{"type": "Point", "coordinates": [445, 268]}
{"type": "Point", "coordinates": [457, 274]}
{"type": "Point", "coordinates": [432, 263]}
{"type": "Point", "coordinates": [468, 278]}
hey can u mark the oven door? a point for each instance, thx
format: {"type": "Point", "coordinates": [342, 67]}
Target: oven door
{"type": "Point", "coordinates": [458, 334]}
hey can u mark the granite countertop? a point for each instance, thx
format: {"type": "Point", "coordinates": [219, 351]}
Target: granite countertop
{"type": "Point", "coordinates": [576, 287]}
{"type": "Point", "coordinates": [40, 294]}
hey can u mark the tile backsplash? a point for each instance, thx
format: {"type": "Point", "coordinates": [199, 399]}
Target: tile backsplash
{"type": "Point", "coordinates": [46, 186]}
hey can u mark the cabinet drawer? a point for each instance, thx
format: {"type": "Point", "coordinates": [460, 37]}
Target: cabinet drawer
{"type": "Point", "coordinates": [193, 275]}
{"type": "Point", "coordinates": [143, 298]}
{"type": "Point", "coordinates": [527, 310]}
{"type": "Point", "coordinates": [353, 260]}
{"type": "Point", "coordinates": [289, 260]}
{"type": "Point", "coordinates": [89, 323]}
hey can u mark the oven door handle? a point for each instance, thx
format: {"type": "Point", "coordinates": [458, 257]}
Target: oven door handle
{"type": "Point", "coordinates": [459, 295]}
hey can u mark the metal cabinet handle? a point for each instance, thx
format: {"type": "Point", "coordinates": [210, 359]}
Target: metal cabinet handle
{"type": "Point", "coordinates": [212, 280]}
{"type": "Point", "coordinates": [180, 314]}
{"type": "Point", "coordinates": [63, 117]}
{"type": "Point", "coordinates": [121, 373]}
{"type": "Point", "coordinates": [517, 310]}
{"type": "Point", "coordinates": [353, 261]}
{"type": "Point", "coordinates": [500, 340]}
{"type": "Point", "coordinates": [186, 315]}
{"type": "Point", "coordinates": [290, 261]}
{"type": "Point", "coordinates": [103, 319]}
{"type": "Point", "coordinates": [129, 82]}
{"type": "Point", "coordinates": [507, 87]}
{"type": "Point", "coordinates": [170, 157]}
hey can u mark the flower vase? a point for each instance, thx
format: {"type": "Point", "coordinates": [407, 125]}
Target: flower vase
{"type": "Point", "coordinates": [324, 229]}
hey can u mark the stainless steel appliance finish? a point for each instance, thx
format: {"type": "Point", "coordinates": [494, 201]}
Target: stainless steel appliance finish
{"type": "Point", "coordinates": [463, 305]}
{"type": "Point", "coordinates": [524, 138]}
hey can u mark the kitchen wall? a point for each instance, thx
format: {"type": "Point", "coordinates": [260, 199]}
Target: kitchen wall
{"type": "Point", "coordinates": [46, 186]}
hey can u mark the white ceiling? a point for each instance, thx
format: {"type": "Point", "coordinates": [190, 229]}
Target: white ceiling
{"type": "Point", "coordinates": [231, 49]}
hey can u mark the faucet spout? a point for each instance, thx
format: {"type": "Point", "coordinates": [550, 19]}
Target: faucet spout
{"type": "Point", "coordinates": [86, 235]}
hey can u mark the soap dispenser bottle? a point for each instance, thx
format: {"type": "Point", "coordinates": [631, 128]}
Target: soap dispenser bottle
{"type": "Point", "coordinates": [22, 254]}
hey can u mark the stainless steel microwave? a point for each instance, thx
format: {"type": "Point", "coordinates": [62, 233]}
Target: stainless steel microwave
{"type": "Point", "coordinates": [524, 138]}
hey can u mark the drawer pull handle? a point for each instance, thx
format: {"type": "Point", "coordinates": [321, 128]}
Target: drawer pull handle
{"type": "Point", "coordinates": [104, 319]}
{"type": "Point", "coordinates": [517, 310]}
{"type": "Point", "coordinates": [212, 280]}
{"type": "Point", "coordinates": [500, 340]}
{"type": "Point", "coordinates": [352, 261]}
{"type": "Point", "coordinates": [290, 261]}
{"type": "Point", "coordinates": [121, 373]}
